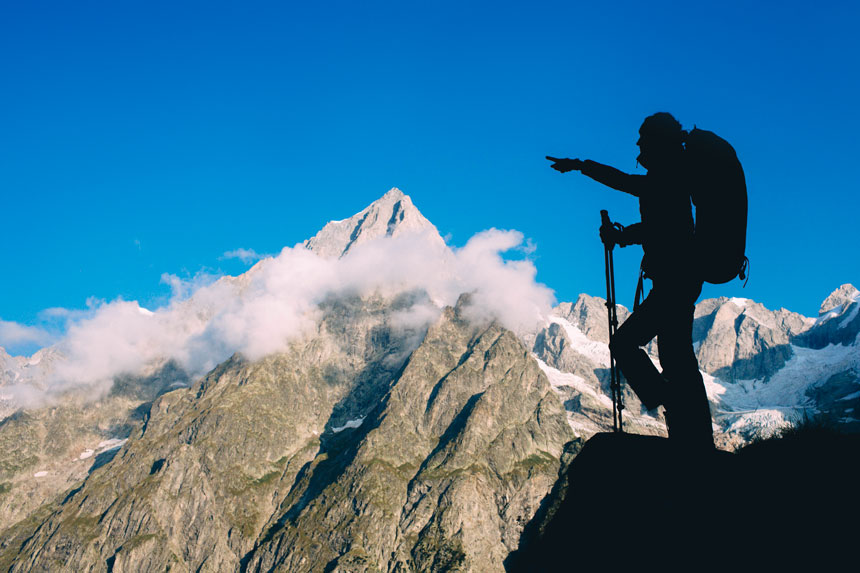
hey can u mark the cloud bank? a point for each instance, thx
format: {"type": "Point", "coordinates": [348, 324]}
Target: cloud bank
{"type": "Point", "coordinates": [278, 300]}
{"type": "Point", "coordinates": [247, 256]}
{"type": "Point", "coordinates": [13, 334]}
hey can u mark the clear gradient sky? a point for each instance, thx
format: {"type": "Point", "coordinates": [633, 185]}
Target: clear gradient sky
{"type": "Point", "coordinates": [140, 138]}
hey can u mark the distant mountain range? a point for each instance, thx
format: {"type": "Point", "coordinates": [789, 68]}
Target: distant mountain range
{"type": "Point", "coordinates": [402, 420]}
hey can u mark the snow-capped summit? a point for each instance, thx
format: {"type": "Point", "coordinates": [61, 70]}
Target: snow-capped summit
{"type": "Point", "coordinates": [391, 215]}
{"type": "Point", "coordinates": [838, 319]}
{"type": "Point", "coordinates": [847, 293]}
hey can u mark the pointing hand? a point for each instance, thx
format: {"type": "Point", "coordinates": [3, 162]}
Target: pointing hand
{"type": "Point", "coordinates": [565, 165]}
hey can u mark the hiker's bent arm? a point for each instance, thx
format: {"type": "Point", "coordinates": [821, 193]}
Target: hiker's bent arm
{"type": "Point", "coordinates": [612, 177]}
{"type": "Point", "coordinates": [631, 235]}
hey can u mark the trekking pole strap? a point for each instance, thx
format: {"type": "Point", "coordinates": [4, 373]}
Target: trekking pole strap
{"type": "Point", "coordinates": [745, 270]}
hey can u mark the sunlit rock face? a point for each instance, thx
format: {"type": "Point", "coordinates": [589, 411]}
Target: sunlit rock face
{"type": "Point", "coordinates": [392, 215]}
{"type": "Point", "coordinates": [741, 339]}
{"type": "Point", "coordinates": [340, 451]}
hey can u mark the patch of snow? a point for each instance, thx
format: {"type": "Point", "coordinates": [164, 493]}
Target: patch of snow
{"type": "Point", "coordinates": [761, 407]}
{"type": "Point", "coordinates": [829, 314]}
{"type": "Point", "coordinates": [557, 378]}
{"type": "Point", "coordinates": [597, 352]}
{"type": "Point", "coordinates": [849, 410]}
{"type": "Point", "coordinates": [40, 474]}
{"type": "Point", "coordinates": [713, 387]}
{"type": "Point", "coordinates": [851, 396]}
{"type": "Point", "coordinates": [851, 316]}
{"type": "Point", "coordinates": [781, 410]}
{"type": "Point", "coordinates": [763, 423]}
{"type": "Point", "coordinates": [350, 424]}
{"type": "Point", "coordinates": [88, 453]}
{"type": "Point", "coordinates": [741, 302]}
{"type": "Point", "coordinates": [787, 387]}
{"type": "Point", "coordinates": [110, 444]}
{"type": "Point", "coordinates": [582, 427]}
{"type": "Point", "coordinates": [748, 316]}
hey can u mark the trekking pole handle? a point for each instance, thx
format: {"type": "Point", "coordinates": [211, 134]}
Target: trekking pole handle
{"type": "Point", "coordinates": [605, 223]}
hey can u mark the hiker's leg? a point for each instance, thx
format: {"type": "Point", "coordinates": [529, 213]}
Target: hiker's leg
{"type": "Point", "coordinates": [688, 410]}
{"type": "Point", "coordinates": [641, 374]}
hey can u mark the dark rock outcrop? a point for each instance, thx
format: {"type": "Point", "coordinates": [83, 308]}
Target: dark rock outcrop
{"type": "Point", "coordinates": [638, 501]}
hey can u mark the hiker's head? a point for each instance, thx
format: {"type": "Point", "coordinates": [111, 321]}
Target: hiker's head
{"type": "Point", "coordinates": [661, 139]}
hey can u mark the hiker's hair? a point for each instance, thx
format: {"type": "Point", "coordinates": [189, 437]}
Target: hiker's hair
{"type": "Point", "coordinates": [662, 126]}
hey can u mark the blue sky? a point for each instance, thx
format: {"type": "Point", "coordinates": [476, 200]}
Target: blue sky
{"type": "Point", "coordinates": [142, 138]}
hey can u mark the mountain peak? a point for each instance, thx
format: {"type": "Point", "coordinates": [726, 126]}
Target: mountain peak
{"type": "Point", "coordinates": [844, 294]}
{"type": "Point", "coordinates": [393, 193]}
{"type": "Point", "coordinates": [391, 215]}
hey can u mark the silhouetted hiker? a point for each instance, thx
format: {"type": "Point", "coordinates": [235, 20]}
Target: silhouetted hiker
{"type": "Point", "coordinates": [666, 236]}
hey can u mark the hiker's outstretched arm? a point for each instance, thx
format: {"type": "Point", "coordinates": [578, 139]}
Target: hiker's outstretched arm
{"type": "Point", "coordinates": [612, 177]}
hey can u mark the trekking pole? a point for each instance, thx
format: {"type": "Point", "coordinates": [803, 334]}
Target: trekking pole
{"type": "Point", "coordinates": [614, 380]}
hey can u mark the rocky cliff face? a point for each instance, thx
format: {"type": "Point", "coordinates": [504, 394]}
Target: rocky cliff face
{"type": "Point", "coordinates": [335, 454]}
{"type": "Point", "coordinates": [44, 452]}
{"type": "Point", "coordinates": [373, 443]}
{"type": "Point", "coordinates": [442, 475]}
{"type": "Point", "coordinates": [741, 339]}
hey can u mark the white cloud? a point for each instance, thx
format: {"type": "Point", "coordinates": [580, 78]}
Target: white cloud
{"type": "Point", "coordinates": [14, 334]}
{"type": "Point", "coordinates": [181, 289]}
{"type": "Point", "coordinates": [247, 256]}
{"type": "Point", "coordinates": [278, 300]}
{"type": "Point", "coordinates": [529, 247]}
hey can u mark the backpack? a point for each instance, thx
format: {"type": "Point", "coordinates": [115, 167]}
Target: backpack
{"type": "Point", "coordinates": [719, 192]}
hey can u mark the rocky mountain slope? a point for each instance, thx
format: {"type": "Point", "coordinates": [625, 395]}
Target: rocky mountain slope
{"type": "Point", "coordinates": [334, 454]}
{"type": "Point", "coordinates": [374, 440]}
